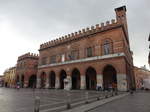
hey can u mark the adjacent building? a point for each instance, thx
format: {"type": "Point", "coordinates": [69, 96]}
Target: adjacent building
{"type": "Point", "coordinates": [93, 57]}
{"type": "Point", "coordinates": [1, 80]}
{"type": "Point", "coordinates": [12, 73]}
{"type": "Point", "coordinates": [26, 70]}
{"type": "Point", "coordinates": [140, 75]}
{"type": "Point", "coordinates": [9, 77]}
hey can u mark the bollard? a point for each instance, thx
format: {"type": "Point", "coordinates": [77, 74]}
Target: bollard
{"type": "Point", "coordinates": [98, 98]}
{"type": "Point", "coordinates": [116, 93]}
{"type": "Point", "coordinates": [86, 97]}
{"type": "Point", "coordinates": [106, 95]}
{"type": "Point", "coordinates": [131, 91]}
{"type": "Point", "coordinates": [37, 104]}
{"type": "Point", "coordinates": [68, 100]}
{"type": "Point", "coordinates": [112, 94]}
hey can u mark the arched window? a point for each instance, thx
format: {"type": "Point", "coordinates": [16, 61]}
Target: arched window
{"type": "Point", "coordinates": [107, 47]}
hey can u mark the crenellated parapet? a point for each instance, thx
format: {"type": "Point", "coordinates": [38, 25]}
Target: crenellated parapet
{"type": "Point", "coordinates": [81, 33]}
{"type": "Point", "coordinates": [28, 55]}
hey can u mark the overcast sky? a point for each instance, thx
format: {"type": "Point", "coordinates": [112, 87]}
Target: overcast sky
{"type": "Point", "coordinates": [25, 24]}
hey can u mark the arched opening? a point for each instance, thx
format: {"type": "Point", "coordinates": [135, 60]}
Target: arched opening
{"type": "Point", "coordinates": [109, 77]}
{"type": "Point", "coordinates": [75, 79]}
{"type": "Point", "coordinates": [63, 75]}
{"type": "Point", "coordinates": [43, 80]}
{"type": "Point", "coordinates": [6, 84]}
{"type": "Point", "coordinates": [32, 81]}
{"type": "Point", "coordinates": [91, 78]}
{"type": "Point", "coordinates": [107, 47]}
{"type": "Point", "coordinates": [22, 81]}
{"type": "Point", "coordinates": [52, 78]}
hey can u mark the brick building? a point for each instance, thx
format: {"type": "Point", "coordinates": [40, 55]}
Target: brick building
{"type": "Point", "coordinates": [91, 57]}
{"type": "Point", "coordinates": [27, 69]}
{"type": "Point", "coordinates": [140, 75]}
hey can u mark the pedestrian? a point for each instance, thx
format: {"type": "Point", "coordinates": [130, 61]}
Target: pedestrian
{"type": "Point", "coordinates": [18, 85]}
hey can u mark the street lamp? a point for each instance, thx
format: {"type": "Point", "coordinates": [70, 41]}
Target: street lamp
{"type": "Point", "coordinates": [149, 52]}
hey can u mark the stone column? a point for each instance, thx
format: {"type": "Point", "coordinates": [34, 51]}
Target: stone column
{"type": "Point", "coordinates": [38, 81]}
{"type": "Point", "coordinates": [26, 80]}
{"type": "Point", "coordinates": [47, 82]}
{"type": "Point", "coordinates": [99, 80]}
{"type": "Point", "coordinates": [70, 81]}
{"type": "Point", "coordinates": [83, 82]}
{"type": "Point", "coordinates": [25, 83]}
{"type": "Point", "coordinates": [57, 82]}
{"type": "Point", "coordinates": [122, 82]}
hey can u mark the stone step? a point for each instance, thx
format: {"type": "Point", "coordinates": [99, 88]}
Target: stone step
{"type": "Point", "coordinates": [63, 106]}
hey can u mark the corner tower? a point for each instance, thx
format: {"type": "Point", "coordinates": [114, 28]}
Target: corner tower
{"type": "Point", "coordinates": [122, 19]}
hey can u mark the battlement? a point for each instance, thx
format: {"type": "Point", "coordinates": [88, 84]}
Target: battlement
{"type": "Point", "coordinates": [81, 33]}
{"type": "Point", "coordinates": [28, 55]}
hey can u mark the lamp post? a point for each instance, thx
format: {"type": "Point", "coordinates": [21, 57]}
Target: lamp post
{"type": "Point", "coordinates": [86, 97]}
{"type": "Point", "coordinates": [149, 52]}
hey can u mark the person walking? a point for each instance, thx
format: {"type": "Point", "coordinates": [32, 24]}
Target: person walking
{"type": "Point", "coordinates": [18, 85]}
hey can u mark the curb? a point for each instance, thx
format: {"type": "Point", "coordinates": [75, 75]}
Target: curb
{"type": "Point", "coordinates": [91, 106]}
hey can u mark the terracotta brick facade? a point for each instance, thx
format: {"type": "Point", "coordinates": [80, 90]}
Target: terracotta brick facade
{"type": "Point", "coordinates": [26, 69]}
{"type": "Point", "coordinates": [90, 58]}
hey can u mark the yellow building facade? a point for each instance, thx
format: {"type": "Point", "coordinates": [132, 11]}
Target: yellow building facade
{"type": "Point", "coordinates": [9, 77]}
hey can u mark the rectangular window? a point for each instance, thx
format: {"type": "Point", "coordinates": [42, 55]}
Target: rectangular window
{"type": "Point", "coordinates": [62, 57]}
{"type": "Point", "coordinates": [73, 55]}
{"type": "Point", "coordinates": [89, 51]}
{"type": "Point", "coordinates": [53, 59]}
{"type": "Point", "coordinates": [44, 59]}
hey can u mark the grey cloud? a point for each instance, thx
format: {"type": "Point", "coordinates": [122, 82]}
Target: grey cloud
{"type": "Point", "coordinates": [41, 20]}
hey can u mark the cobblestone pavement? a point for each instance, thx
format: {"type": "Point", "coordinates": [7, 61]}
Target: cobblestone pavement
{"type": "Point", "coordinates": [12, 100]}
{"type": "Point", "coordinates": [138, 102]}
